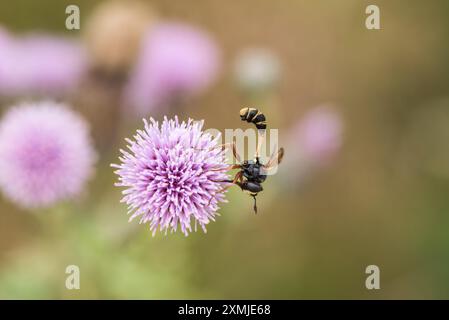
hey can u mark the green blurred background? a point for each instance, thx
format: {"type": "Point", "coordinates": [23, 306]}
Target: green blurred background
{"type": "Point", "coordinates": [383, 201]}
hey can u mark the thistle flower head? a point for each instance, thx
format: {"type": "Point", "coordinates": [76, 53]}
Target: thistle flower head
{"type": "Point", "coordinates": [45, 154]}
{"type": "Point", "coordinates": [172, 175]}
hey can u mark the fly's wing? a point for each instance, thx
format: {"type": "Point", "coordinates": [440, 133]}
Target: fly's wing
{"type": "Point", "coordinates": [275, 159]}
{"type": "Point", "coordinates": [235, 153]}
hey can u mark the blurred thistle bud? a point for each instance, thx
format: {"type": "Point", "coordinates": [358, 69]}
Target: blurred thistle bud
{"type": "Point", "coordinates": [319, 135]}
{"type": "Point", "coordinates": [176, 61]}
{"type": "Point", "coordinates": [257, 70]}
{"type": "Point", "coordinates": [312, 143]}
{"type": "Point", "coordinates": [113, 34]}
{"type": "Point", "coordinates": [39, 64]}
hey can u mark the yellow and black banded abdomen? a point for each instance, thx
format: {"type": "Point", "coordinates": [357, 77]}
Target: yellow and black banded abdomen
{"type": "Point", "coordinates": [253, 115]}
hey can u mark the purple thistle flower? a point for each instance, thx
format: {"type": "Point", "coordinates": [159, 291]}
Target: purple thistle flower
{"type": "Point", "coordinates": [45, 154]}
{"type": "Point", "coordinates": [171, 175]}
{"type": "Point", "coordinates": [39, 64]}
{"type": "Point", "coordinates": [176, 61]}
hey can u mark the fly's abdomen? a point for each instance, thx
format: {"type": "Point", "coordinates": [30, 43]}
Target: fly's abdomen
{"type": "Point", "coordinates": [253, 187]}
{"type": "Point", "coordinates": [255, 116]}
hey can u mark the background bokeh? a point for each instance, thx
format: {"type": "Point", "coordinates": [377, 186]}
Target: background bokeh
{"type": "Point", "coordinates": [380, 197]}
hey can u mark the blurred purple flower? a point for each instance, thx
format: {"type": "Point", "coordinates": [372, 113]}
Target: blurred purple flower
{"type": "Point", "coordinates": [45, 154]}
{"type": "Point", "coordinates": [39, 64]}
{"type": "Point", "coordinates": [177, 60]}
{"type": "Point", "coordinates": [318, 135]}
{"type": "Point", "coordinates": [171, 175]}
